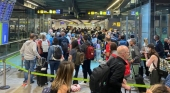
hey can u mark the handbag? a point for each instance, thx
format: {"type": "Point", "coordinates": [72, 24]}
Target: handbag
{"type": "Point", "coordinates": [162, 73]}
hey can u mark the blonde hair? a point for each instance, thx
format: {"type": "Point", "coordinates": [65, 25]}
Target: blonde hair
{"type": "Point", "coordinates": [145, 41]}
{"type": "Point", "coordinates": [159, 88]}
{"type": "Point", "coordinates": [63, 76]}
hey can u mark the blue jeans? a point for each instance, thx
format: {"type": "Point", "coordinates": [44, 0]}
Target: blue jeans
{"type": "Point", "coordinates": [54, 66]}
{"type": "Point", "coordinates": [29, 65]}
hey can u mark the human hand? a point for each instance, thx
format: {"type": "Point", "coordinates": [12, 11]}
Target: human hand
{"type": "Point", "coordinates": [127, 87]}
{"type": "Point", "coordinates": [23, 59]}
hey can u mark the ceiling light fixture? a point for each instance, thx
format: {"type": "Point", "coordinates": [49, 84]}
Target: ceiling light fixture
{"type": "Point", "coordinates": [32, 3]}
{"type": "Point", "coordinates": [113, 4]}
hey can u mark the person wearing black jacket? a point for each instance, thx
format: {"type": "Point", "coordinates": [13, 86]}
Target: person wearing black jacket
{"type": "Point", "coordinates": [159, 46]}
{"type": "Point", "coordinates": [166, 46]}
{"type": "Point", "coordinates": [87, 62]}
{"type": "Point", "coordinates": [117, 71]}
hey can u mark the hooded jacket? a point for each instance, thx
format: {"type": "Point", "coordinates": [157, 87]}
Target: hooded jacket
{"type": "Point", "coordinates": [29, 50]}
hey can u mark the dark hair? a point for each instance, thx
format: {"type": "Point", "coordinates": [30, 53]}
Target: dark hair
{"type": "Point", "coordinates": [113, 46]}
{"type": "Point", "coordinates": [85, 37]}
{"type": "Point", "coordinates": [74, 44]}
{"type": "Point", "coordinates": [156, 37]}
{"type": "Point", "coordinates": [55, 41]}
{"type": "Point", "coordinates": [122, 37]}
{"type": "Point", "coordinates": [153, 51]}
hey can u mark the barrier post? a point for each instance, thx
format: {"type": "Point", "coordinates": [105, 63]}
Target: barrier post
{"type": "Point", "coordinates": [4, 77]}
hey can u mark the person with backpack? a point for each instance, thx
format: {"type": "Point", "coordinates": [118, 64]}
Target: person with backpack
{"type": "Point", "coordinates": [64, 43]}
{"type": "Point", "coordinates": [117, 71]}
{"type": "Point", "coordinates": [123, 41]}
{"type": "Point", "coordinates": [55, 55]}
{"type": "Point", "coordinates": [77, 57]}
{"type": "Point", "coordinates": [43, 45]}
{"type": "Point", "coordinates": [88, 50]}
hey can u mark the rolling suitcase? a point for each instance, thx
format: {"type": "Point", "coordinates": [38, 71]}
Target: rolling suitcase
{"type": "Point", "coordinates": [42, 68]}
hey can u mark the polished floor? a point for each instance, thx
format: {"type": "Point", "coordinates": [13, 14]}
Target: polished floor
{"type": "Point", "coordinates": [14, 79]}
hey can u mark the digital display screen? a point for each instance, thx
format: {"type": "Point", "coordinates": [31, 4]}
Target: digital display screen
{"type": "Point", "coordinates": [58, 11]}
{"type": "Point", "coordinates": [5, 30]}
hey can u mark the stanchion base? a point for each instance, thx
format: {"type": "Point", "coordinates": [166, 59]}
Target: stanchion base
{"type": "Point", "coordinates": [4, 87]}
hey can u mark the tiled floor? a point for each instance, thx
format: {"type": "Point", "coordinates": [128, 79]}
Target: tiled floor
{"type": "Point", "coordinates": [15, 78]}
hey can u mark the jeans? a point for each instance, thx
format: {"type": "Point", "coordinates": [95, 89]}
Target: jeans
{"type": "Point", "coordinates": [54, 66]}
{"type": "Point", "coordinates": [76, 73]}
{"type": "Point", "coordinates": [29, 65]}
{"type": "Point", "coordinates": [86, 68]}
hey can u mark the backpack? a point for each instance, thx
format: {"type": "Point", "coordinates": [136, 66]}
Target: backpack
{"type": "Point", "coordinates": [57, 53]}
{"type": "Point", "coordinates": [64, 44]}
{"type": "Point", "coordinates": [99, 78]}
{"type": "Point", "coordinates": [79, 58]}
{"type": "Point", "coordinates": [90, 52]}
{"type": "Point", "coordinates": [44, 45]}
{"type": "Point", "coordinates": [122, 42]}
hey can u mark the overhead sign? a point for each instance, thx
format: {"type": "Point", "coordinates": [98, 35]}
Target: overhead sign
{"type": "Point", "coordinates": [108, 12]}
{"type": "Point", "coordinates": [116, 24]}
{"type": "Point", "coordinates": [99, 13]}
{"type": "Point", "coordinates": [57, 11]}
{"type": "Point", "coordinates": [5, 33]}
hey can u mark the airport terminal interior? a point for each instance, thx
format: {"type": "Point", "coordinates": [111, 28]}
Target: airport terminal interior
{"type": "Point", "coordinates": [138, 23]}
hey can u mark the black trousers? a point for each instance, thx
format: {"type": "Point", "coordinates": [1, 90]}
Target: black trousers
{"type": "Point", "coordinates": [76, 74]}
{"type": "Point", "coordinates": [86, 68]}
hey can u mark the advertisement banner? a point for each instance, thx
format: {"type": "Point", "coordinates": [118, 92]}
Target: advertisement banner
{"type": "Point", "coordinates": [5, 33]}
{"type": "Point", "coordinates": [0, 33]}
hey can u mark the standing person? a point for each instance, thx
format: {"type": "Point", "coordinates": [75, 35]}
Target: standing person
{"type": "Point", "coordinates": [62, 82]}
{"type": "Point", "coordinates": [43, 45]}
{"type": "Point", "coordinates": [72, 58]}
{"type": "Point", "coordinates": [135, 56]}
{"type": "Point", "coordinates": [159, 46]}
{"type": "Point", "coordinates": [54, 62]}
{"type": "Point", "coordinates": [152, 63]}
{"type": "Point", "coordinates": [64, 43]}
{"type": "Point", "coordinates": [107, 49]}
{"type": "Point", "coordinates": [29, 53]}
{"type": "Point", "coordinates": [98, 50]}
{"type": "Point", "coordinates": [166, 46]}
{"type": "Point", "coordinates": [87, 62]}
{"type": "Point", "coordinates": [117, 71]}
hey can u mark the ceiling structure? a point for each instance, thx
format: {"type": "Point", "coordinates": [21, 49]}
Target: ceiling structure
{"type": "Point", "coordinates": [78, 9]}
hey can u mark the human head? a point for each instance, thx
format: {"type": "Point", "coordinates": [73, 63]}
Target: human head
{"type": "Point", "coordinates": [158, 88]}
{"type": "Point", "coordinates": [113, 47]}
{"type": "Point", "coordinates": [108, 38]}
{"type": "Point", "coordinates": [151, 50]}
{"type": "Point", "coordinates": [123, 52]}
{"type": "Point", "coordinates": [62, 33]}
{"type": "Point", "coordinates": [74, 44]}
{"type": "Point", "coordinates": [43, 37]}
{"type": "Point", "coordinates": [145, 40]}
{"type": "Point", "coordinates": [85, 37]}
{"type": "Point", "coordinates": [122, 37]}
{"type": "Point", "coordinates": [132, 41]}
{"type": "Point", "coordinates": [64, 75]}
{"type": "Point", "coordinates": [32, 35]}
{"type": "Point", "coordinates": [35, 36]}
{"type": "Point", "coordinates": [166, 40]}
{"type": "Point", "coordinates": [55, 41]}
{"type": "Point", "coordinates": [156, 37]}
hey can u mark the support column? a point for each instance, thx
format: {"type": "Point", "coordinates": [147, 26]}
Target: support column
{"type": "Point", "coordinates": [152, 19]}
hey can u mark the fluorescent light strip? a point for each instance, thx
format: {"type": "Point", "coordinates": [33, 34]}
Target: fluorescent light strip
{"type": "Point", "coordinates": [32, 3]}
{"type": "Point", "coordinates": [119, 5]}
{"type": "Point", "coordinates": [113, 4]}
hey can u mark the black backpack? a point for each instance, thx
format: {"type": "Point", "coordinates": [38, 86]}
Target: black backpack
{"type": "Point", "coordinates": [99, 78]}
{"type": "Point", "coordinates": [64, 44]}
{"type": "Point", "coordinates": [57, 54]}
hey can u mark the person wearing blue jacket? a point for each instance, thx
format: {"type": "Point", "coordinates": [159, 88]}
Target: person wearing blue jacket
{"type": "Point", "coordinates": [54, 63]}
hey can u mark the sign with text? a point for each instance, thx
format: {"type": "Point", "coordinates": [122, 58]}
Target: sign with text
{"type": "Point", "coordinates": [5, 30]}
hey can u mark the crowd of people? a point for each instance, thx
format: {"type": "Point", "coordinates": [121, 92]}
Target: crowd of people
{"type": "Point", "coordinates": [62, 47]}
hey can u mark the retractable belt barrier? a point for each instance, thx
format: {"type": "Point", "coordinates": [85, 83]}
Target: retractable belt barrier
{"type": "Point", "coordinates": [49, 75]}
